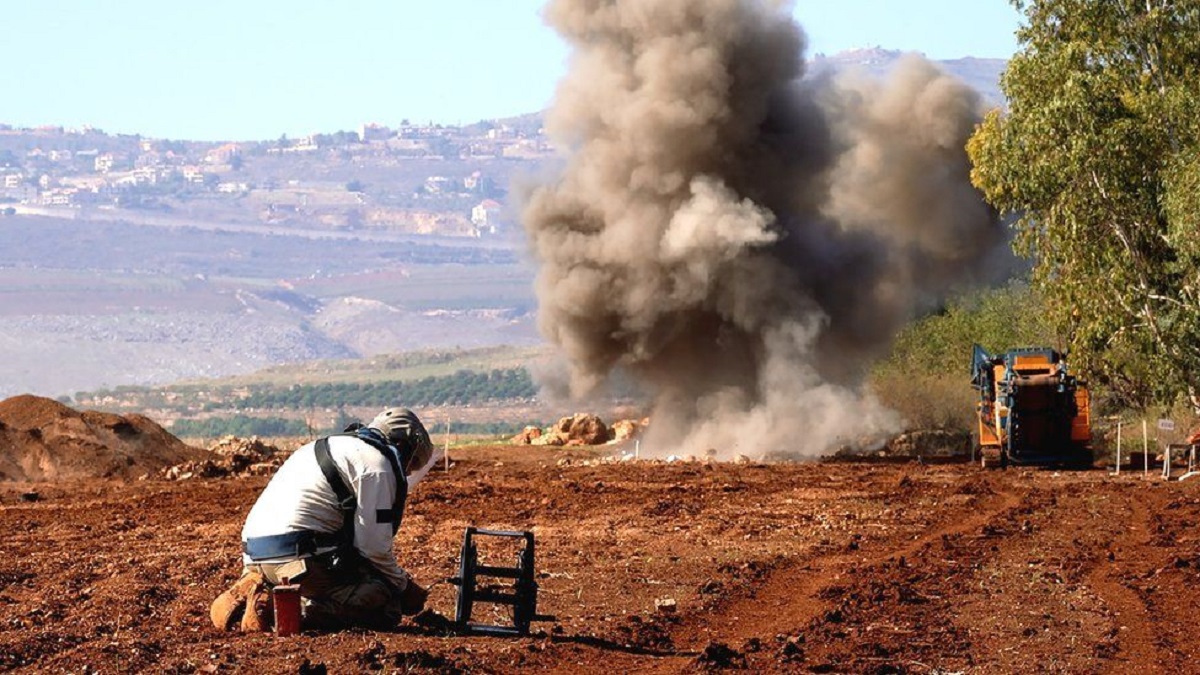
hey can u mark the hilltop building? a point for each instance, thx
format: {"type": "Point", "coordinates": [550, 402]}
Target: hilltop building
{"type": "Point", "coordinates": [486, 216]}
{"type": "Point", "coordinates": [373, 132]}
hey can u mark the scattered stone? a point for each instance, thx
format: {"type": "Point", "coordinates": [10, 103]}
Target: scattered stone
{"type": "Point", "coordinates": [231, 456]}
{"type": "Point", "coordinates": [720, 655]}
{"type": "Point", "coordinates": [260, 469]}
{"type": "Point", "coordinates": [30, 496]}
{"type": "Point", "coordinates": [310, 668]}
{"type": "Point", "coordinates": [665, 605]}
{"type": "Point", "coordinates": [793, 649]}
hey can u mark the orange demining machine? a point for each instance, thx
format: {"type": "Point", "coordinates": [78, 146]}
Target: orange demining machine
{"type": "Point", "coordinates": [1031, 411]}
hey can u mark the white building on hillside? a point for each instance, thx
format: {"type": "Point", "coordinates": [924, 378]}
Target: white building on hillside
{"type": "Point", "coordinates": [486, 215]}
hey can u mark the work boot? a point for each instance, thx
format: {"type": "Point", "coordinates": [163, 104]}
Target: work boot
{"type": "Point", "coordinates": [230, 606]}
{"type": "Point", "coordinates": [259, 616]}
{"type": "Point", "coordinates": [412, 598]}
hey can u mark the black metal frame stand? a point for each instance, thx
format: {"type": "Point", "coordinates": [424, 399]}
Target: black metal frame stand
{"type": "Point", "coordinates": [523, 598]}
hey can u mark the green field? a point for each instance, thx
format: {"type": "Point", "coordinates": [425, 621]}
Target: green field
{"type": "Point", "coordinates": [320, 379]}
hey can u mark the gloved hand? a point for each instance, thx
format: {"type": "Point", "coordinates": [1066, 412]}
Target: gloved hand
{"type": "Point", "coordinates": [412, 598]}
{"type": "Point", "coordinates": [259, 614]}
{"type": "Point", "coordinates": [230, 606]}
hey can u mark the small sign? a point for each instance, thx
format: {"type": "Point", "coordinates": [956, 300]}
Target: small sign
{"type": "Point", "coordinates": [1166, 425]}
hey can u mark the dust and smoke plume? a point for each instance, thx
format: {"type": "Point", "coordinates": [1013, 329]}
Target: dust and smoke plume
{"type": "Point", "coordinates": [742, 240]}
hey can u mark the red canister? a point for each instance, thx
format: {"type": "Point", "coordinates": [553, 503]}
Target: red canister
{"type": "Point", "coordinates": [287, 608]}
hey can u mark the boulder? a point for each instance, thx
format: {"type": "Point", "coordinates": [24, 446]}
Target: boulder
{"type": "Point", "coordinates": [554, 438]}
{"type": "Point", "coordinates": [623, 430]}
{"type": "Point", "coordinates": [527, 436]}
{"type": "Point", "coordinates": [587, 429]}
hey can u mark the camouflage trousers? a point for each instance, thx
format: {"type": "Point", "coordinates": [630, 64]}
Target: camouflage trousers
{"type": "Point", "coordinates": [337, 593]}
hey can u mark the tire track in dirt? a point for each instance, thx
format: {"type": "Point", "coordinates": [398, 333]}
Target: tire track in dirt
{"type": "Point", "coordinates": [791, 596]}
{"type": "Point", "coordinates": [1135, 639]}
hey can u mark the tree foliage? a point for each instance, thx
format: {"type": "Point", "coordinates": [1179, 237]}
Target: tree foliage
{"type": "Point", "coordinates": [997, 319]}
{"type": "Point", "coordinates": [462, 388]}
{"type": "Point", "coordinates": [926, 378]}
{"type": "Point", "coordinates": [1099, 157]}
{"type": "Point", "coordinates": [239, 425]}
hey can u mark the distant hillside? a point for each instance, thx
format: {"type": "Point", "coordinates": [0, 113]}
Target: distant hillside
{"type": "Point", "coordinates": [128, 261]}
{"type": "Point", "coordinates": [982, 75]}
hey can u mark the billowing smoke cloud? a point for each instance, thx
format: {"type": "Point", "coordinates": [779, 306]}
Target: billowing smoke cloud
{"type": "Point", "coordinates": [742, 240]}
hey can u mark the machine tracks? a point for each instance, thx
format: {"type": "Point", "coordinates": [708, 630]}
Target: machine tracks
{"type": "Point", "coordinates": [767, 624]}
{"type": "Point", "coordinates": [1013, 581]}
{"type": "Point", "coordinates": [1132, 622]}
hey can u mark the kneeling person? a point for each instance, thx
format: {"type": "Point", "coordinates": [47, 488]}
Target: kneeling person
{"type": "Point", "coordinates": [326, 522]}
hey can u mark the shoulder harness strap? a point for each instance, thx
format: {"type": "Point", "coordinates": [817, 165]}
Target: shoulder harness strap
{"type": "Point", "coordinates": [347, 502]}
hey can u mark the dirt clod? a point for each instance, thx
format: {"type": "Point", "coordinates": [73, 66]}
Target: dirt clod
{"type": "Point", "coordinates": [717, 655]}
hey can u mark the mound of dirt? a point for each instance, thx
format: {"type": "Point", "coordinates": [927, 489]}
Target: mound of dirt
{"type": "Point", "coordinates": [44, 440]}
{"type": "Point", "coordinates": [937, 443]}
{"type": "Point", "coordinates": [925, 444]}
{"type": "Point", "coordinates": [231, 456]}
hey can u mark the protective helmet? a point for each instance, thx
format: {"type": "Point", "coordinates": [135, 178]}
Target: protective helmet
{"type": "Point", "coordinates": [404, 430]}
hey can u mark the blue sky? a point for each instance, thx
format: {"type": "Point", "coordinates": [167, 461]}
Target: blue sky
{"type": "Point", "coordinates": [255, 69]}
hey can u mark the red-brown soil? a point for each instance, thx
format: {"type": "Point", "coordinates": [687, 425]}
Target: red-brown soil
{"type": "Point", "coordinates": [861, 568]}
{"type": "Point", "coordinates": [42, 439]}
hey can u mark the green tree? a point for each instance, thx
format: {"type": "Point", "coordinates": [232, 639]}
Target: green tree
{"type": "Point", "coordinates": [1098, 158]}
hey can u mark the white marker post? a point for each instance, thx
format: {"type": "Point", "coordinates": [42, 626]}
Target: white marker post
{"type": "Point", "coordinates": [1145, 452]}
{"type": "Point", "coordinates": [446, 446]}
{"type": "Point", "coordinates": [1118, 447]}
